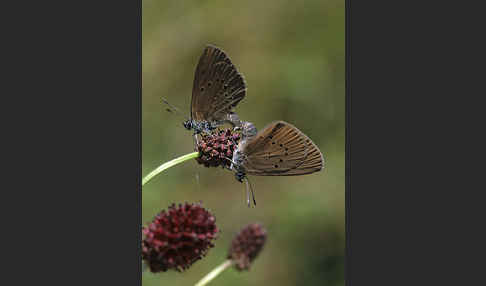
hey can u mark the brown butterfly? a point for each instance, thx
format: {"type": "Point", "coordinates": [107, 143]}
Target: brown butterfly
{"type": "Point", "coordinates": [280, 149]}
{"type": "Point", "coordinates": [218, 87]}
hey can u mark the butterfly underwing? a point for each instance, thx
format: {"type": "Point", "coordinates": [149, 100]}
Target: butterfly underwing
{"type": "Point", "coordinates": [280, 149]}
{"type": "Point", "coordinates": [218, 87]}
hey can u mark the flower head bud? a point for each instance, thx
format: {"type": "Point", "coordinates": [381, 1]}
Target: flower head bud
{"type": "Point", "coordinates": [217, 148]}
{"type": "Point", "coordinates": [176, 238]}
{"type": "Point", "coordinates": [246, 245]}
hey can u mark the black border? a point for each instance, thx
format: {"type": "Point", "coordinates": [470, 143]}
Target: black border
{"type": "Point", "coordinates": [84, 134]}
{"type": "Point", "coordinates": [78, 151]}
{"type": "Point", "coordinates": [139, 146]}
{"type": "Point", "coordinates": [347, 142]}
{"type": "Point", "coordinates": [407, 219]}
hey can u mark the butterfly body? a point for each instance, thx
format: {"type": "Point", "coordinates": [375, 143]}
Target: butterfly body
{"type": "Point", "coordinates": [198, 126]}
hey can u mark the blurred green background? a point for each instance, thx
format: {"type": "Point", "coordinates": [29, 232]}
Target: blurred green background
{"type": "Point", "coordinates": [292, 56]}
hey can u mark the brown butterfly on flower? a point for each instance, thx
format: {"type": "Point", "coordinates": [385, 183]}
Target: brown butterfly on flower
{"type": "Point", "coordinates": [279, 149]}
{"type": "Point", "coordinates": [217, 88]}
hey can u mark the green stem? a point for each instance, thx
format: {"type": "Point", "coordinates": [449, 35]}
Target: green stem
{"type": "Point", "coordinates": [167, 165]}
{"type": "Point", "coordinates": [216, 271]}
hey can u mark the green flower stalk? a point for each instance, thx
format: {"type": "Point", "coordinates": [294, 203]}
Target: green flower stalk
{"type": "Point", "coordinates": [245, 247]}
{"type": "Point", "coordinates": [213, 150]}
{"type": "Point", "coordinates": [216, 271]}
{"type": "Point", "coordinates": [167, 165]}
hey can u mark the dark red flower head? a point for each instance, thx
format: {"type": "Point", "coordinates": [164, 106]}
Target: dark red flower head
{"type": "Point", "coordinates": [177, 238]}
{"type": "Point", "coordinates": [246, 245]}
{"type": "Point", "coordinates": [216, 148]}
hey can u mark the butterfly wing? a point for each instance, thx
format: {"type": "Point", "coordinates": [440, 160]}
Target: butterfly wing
{"type": "Point", "coordinates": [280, 149]}
{"type": "Point", "coordinates": [218, 86]}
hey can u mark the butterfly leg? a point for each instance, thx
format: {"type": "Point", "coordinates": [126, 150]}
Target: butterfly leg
{"type": "Point", "coordinates": [229, 168]}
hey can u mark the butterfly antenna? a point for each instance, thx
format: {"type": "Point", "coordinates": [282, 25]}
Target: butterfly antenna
{"type": "Point", "coordinates": [248, 186]}
{"type": "Point", "coordinates": [252, 193]}
{"type": "Point", "coordinates": [247, 194]}
{"type": "Point", "coordinates": [173, 109]}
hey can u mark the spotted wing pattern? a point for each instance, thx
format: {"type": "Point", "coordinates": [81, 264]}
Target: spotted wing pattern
{"type": "Point", "coordinates": [218, 86]}
{"type": "Point", "coordinates": [280, 149]}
